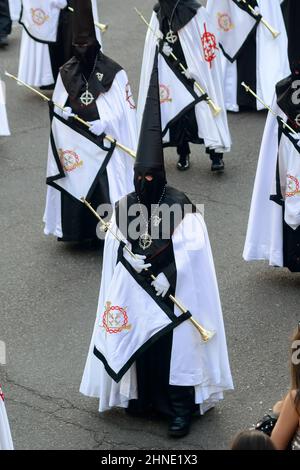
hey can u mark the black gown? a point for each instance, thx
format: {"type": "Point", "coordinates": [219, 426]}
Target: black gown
{"type": "Point", "coordinates": [5, 20]}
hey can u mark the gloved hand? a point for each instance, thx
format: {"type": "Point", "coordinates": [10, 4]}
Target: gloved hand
{"type": "Point", "coordinates": [67, 113]}
{"type": "Point", "coordinates": [187, 74]}
{"type": "Point", "coordinates": [161, 284]}
{"type": "Point", "coordinates": [167, 49]}
{"type": "Point", "coordinates": [138, 263]}
{"type": "Point", "coordinates": [60, 4]}
{"type": "Point", "coordinates": [98, 127]}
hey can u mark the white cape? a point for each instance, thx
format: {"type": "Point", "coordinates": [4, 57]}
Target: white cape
{"type": "Point", "coordinates": [34, 62]}
{"type": "Point", "coordinates": [264, 239]}
{"type": "Point", "coordinates": [193, 363]}
{"type": "Point", "coordinates": [271, 58]}
{"type": "Point", "coordinates": [5, 435]}
{"type": "Point", "coordinates": [40, 20]}
{"type": "Point", "coordinates": [4, 128]}
{"type": "Point", "coordinates": [121, 117]}
{"type": "Point", "coordinates": [213, 129]}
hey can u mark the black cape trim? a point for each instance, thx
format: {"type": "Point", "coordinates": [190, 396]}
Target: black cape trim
{"type": "Point", "coordinates": [233, 59]}
{"type": "Point", "coordinates": [50, 181]}
{"type": "Point", "coordinates": [189, 85]}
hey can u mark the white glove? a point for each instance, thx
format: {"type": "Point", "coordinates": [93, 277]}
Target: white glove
{"type": "Point", "coordinates": [138, 263]}
{"type": "Point", "coordinates": [60, 4]}
{"type": "Point", "coordinates": [98, 127]}
{"type": "Point", "coordinates": [67, 113]}
{"type": "Point", "coordinates": [187, 74]}
{"type": "Point", "coordinates": [161, 284]}
{"type": "Point", "coordinates": [167, 49]}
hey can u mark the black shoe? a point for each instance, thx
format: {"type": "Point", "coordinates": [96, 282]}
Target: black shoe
{"type": "Point", "coordinates": [47, 87]}
{"type": "Point", "coordinates": [3, 41]}
{"type": "Point", "coordinates": [183, 163]}
{"type": "Point", "coordinates": [179, 426]}
{"type": "Point", "coordinates": [217, 163]}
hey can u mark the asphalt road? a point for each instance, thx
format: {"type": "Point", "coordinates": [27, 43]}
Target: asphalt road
{"type": "Point", "coordinates": [49, 290]}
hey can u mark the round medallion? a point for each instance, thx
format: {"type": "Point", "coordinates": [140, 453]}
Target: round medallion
{"type": "Point", "coordinates": [86, 98]}
{"type": "Point", "coordinates": [145, 241]}
{"type": "Point", "coordinates": [171, 37]}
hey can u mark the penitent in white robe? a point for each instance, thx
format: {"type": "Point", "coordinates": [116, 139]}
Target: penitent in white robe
{"type": "Point", "coordinates": [34, 65]}
{"type": "Point", "coordinates": [193, 363]}
{"type": "Point", "coordinates": [121, 116]}
{"type": "Point", "coordinates": [212, 129]}
{"type": "Point", "coordinates": [271, 54]}
{"type": "Point", "coordinates": [264, 239]}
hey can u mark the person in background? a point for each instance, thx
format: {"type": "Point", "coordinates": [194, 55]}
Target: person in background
{"type": "Point", "coordinates": [287, 429]}
{"type": "Point", "coordinates": [5, 22]}
{"type": "Point", "coordinates": [252, 440]}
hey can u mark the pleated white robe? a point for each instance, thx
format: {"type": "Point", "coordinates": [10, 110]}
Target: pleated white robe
{"type": "Point", "coordinates": [264, 239]}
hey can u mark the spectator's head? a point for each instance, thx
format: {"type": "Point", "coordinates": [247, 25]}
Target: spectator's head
{"type": "Point", "coordinates": [295, 367]}
{"type": "Point", "coordinates": [252, 440]}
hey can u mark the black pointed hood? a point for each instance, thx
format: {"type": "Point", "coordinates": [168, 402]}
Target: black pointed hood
{"type": "Point", "coordinates": [180, 12]}
{"type": "Point", "coordinates": [150, 154]}
{"type": "Point", "coordinates": [287, 90]}
{"type": "Point", "coordinates": [83, 23]}
{"type": "Point", "coordinates": [88, 63]}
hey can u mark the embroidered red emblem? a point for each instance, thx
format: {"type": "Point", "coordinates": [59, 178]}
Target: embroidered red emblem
{"type": "Point", "coordinates": [69, 160]}
{"type": "Point", "coordinates": [39, 17]}
{"type": "Point", "coordinates": [129, 97]}
{"type": "Point", "coordinates": [293, 186]}
{"type": "Point", "coordinates": [209, 44]}
{"type": "Point", "coordinates": [115, 319]}
{"type": "Point", "coordinates": [1, 394]}
{"type": "Point", "coordinates": [224, 22]}
{"type": "Point", "coordinates": [165, 94]}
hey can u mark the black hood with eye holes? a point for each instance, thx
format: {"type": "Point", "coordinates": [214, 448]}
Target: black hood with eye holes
{"type": "Point", "coordinates": [150, 154]}
{"type": "Point", "coordinates": [184, 12]}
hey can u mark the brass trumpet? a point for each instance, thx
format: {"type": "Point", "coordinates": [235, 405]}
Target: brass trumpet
{"type": "Point", "coordinates": [103, 27]}
{"type": "Point", "coordinates": [273, 31]}
{"type": "Point", "coordinates": [285, 124]}
{"type": "Point", "coordinates": [206, 335]}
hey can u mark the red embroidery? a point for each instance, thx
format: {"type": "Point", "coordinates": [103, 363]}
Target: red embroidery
{"type": "Point", "coordinates": [39, 17]}
{"type": "Point", "coordinates": [165, 94]}
{"type": "Point", "coordinates": [129, 97]}
{"type": "Point", "coordinates": [69, 160]}
{"type": "Point", "coordinates": [209, 45]}
{"type": "Point", "coordinates": [1, 394]}
{"type": "Point", "coordinates": [224, 22]}
{"type": "Point", "coordinates": [115, 319]}
{"type": "Point", "coordinates": [293, 186]}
